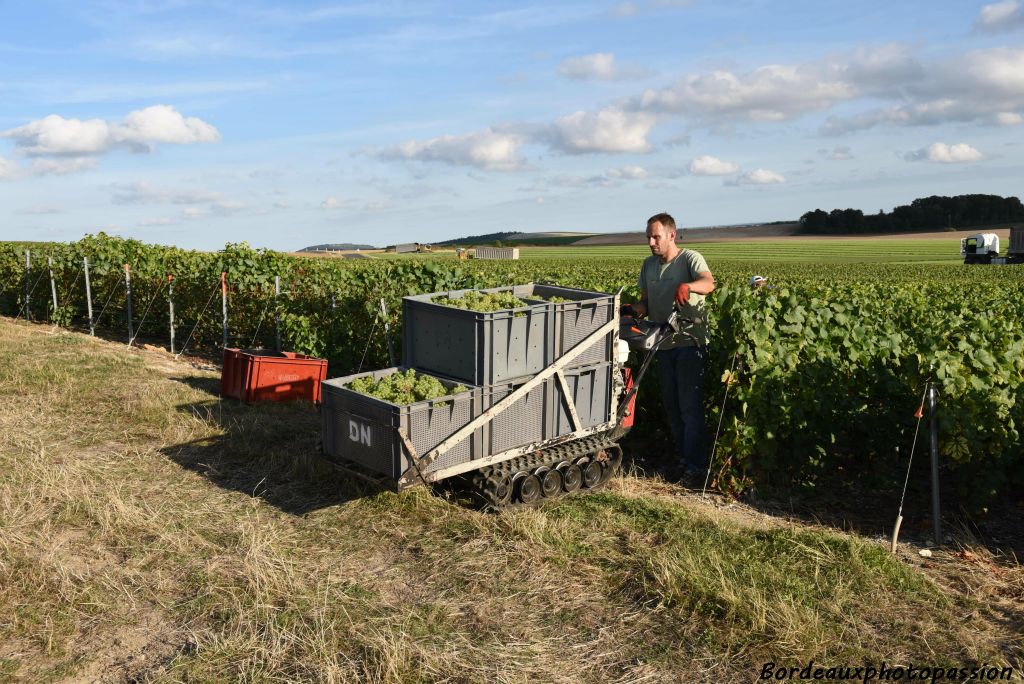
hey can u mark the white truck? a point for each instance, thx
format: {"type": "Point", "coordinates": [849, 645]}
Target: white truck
{"type": "Point", "coordinates": [983, 248]}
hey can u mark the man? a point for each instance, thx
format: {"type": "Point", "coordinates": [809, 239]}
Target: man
{"type": "Point", "coordinates": [668, 276]}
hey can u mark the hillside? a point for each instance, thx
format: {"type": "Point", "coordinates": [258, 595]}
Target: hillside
{"type": "Point", "coordinates": [721, 234]}
{"type": "Point", "coordinates": [151, 531]}
{"type": "Point", "coordinates": [336, 247]}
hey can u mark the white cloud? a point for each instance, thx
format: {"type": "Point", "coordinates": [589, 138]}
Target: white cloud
{"type": "Point", "coordinates": [599, 66]}
{"type": "Point", "coordinates": [225, 207]}
{"type": "Point", "coordinates": [769, 93]}
{"type": "Point", "coordinates": [840, 154]}
{"type": "Point", "coordinates": [1009, 119]}
{"type": "Point", "coordinates": [609, 130]}
{"type": "Point", "coordinates": [162, 124]}
{"type": "Point", "coordinates": [8, 169]}
{"type": "Point", "coordinates": [62, 166]}
{"type": "Point", "coordinates": [712, 166]}
{"type": "Point", "coordinates": [146, 193]}
{"type": "Point", "coordinates": [150, 223]}
{"type": "Point", "coordinates": [756, 177]}
{"type": "Point", "coordinates": [568, 181]}
{"type": "Point", "coordinates": [631, 172]}
{"type": "Point", "coordinates": [761, 177]}
{"type": "Point", "coordinates": [487, 149]}
{"type": "Point", "coordinates": [941, 153]}
{"type": "Point", "coordinates": [40, 210]}
{"type": "Point", "coordinates": [55, 136]}
{"type": "Point", "coordinates": [977, 86]}
{"type": "Point", "coordinates": [335, 203]}
{"type": "Point", "coordinates": [1000, 16]}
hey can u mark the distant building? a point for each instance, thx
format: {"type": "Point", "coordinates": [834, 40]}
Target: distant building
{"type": "Point", "coordinates": [496, 253]}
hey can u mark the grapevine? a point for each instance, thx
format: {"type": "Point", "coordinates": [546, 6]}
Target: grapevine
{"type": "Point", "coordinates": [404, 388]}
{"type": "Point", "coordinates": [482, 301]}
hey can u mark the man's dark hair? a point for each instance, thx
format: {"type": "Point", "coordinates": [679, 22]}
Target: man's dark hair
{"type": "Point", "coordinates": [664, 219]}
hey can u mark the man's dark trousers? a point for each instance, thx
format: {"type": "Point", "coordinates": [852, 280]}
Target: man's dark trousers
{"type": "Point", "coordinates": [681, 373]}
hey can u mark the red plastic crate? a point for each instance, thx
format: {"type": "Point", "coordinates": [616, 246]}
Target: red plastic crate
{"type": "Point", "coordinates": [258, 375]}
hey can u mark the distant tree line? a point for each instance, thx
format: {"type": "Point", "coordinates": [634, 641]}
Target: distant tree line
{"type": "Point", "coordinates": [927, 213]}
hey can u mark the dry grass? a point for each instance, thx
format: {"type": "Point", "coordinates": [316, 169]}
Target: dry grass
{"type": "Point", "coordinates": [149, 531]}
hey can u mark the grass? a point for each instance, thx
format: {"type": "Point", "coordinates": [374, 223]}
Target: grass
{"type": "Point", "coordinates": [150, 531]}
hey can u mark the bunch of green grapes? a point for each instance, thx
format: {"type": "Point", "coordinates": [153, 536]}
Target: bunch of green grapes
{"type": "Point", "coordinates": [480, 301]}
{"type": "Point", "coordinates": [404, 388]}
{"type": "Point", "coordinates": [554, 300]}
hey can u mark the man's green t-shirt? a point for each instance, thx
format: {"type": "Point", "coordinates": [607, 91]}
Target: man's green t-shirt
{"type": "Point", "coordinates": [660, 282]}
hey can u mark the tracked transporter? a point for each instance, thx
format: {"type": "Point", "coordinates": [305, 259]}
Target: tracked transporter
{"type": "Point", "coordinates": [528, 400]}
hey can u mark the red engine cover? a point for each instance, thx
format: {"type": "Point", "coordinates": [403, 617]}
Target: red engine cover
{"type": "Point", "coordinates": [627, 378]}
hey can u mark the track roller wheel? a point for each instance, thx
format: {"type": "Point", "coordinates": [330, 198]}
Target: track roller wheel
{"type": "Point", "coordinates": [551, 483]}
{"type": "Point", "coordinates": [592, 474]}
{"type": "Point", "coordinates": [528, 488]}
{"type": "Point", "coordinates": [499, 487]}
{"type": "Point", "coordinates": [572, 477]}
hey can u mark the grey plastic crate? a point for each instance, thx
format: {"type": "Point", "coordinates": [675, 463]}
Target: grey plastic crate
{"type": "Point", "coordinates": [501, 346]}
{"type": "Point", "coordinates": [542, 413]}
{"type": "Point", "coordinates": [591, 390]}
{"type": "Point", "coordinates": [526, 421]}
{"type": "Point", "coordinates": [479, 348]}
{"type": "Point", "coordinates": [577, 319]}
{"type": "Point", "coordinates": [362, 429]}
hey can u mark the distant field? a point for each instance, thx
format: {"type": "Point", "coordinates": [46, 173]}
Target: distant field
{"type": "Point", "coordinates": [852, 250]}
{"type": "Point", "coordinates": [856, 250]}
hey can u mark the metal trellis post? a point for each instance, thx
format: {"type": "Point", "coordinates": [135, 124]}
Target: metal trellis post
{"type": "Point", "coordinates": [224, 304]}
{"type": "Point", "coordinates": [277, 313]}
{"type": "Point", "coordinates": [128, 287]}
{"type": "Point", "coordinates": [88, 296]}
{"type": "Point", "coordinates": [170, 307]}
{"type": "Point", "coordinates": [53, 285]}
{"type": "Point", "coordinates": [933, 419]}
{"type": "Point", "coordinates": [28, 268]}
{"type": "Point", "coordinates": [387, 331]}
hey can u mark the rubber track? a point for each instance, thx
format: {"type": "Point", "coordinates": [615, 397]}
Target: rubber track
{"type": "Point", "coordinates": [483, 480]}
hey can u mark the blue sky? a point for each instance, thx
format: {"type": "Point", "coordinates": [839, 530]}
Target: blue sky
{"type": "Point", "coordinates": [285, 125]}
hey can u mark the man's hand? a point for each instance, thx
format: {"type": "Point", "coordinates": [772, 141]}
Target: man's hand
{"type": "Point", "coordinates": [683, 294]}
{"type": "Point", "coordinates": [636, 310]}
